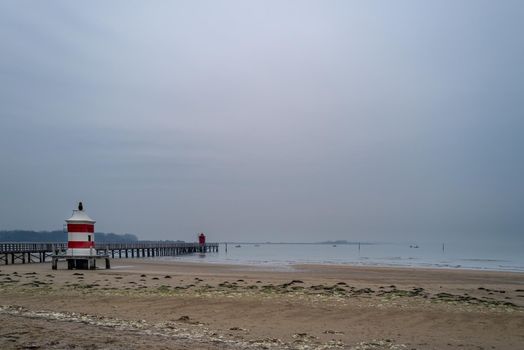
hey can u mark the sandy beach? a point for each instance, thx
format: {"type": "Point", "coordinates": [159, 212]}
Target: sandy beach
{"type": "Point", "coordinates": [141, 304]}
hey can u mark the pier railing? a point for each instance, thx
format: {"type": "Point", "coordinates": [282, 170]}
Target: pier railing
{"type": "Point", "coordinates": [148, 244]}
{"type": "Point", "coordinates": [31, 247]}
{"type": "Point", "coordinates": [17, 252]}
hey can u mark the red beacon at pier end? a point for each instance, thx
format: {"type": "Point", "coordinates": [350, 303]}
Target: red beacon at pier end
{"type": "Point", "coordinates": [202, 239]}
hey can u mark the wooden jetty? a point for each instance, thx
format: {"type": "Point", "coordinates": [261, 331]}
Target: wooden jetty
{"type": "Point", "coordinates": [26, 253]}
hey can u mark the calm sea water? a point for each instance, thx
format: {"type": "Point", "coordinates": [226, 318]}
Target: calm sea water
{"type": "Point", "coordinates": [466, 256]}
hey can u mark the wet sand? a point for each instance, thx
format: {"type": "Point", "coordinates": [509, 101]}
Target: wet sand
{"type": "Point", "coordinates": [143, 304]}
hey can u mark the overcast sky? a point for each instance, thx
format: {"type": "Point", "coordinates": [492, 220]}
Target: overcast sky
{"type": "Point", "coordinates": [265, 120]}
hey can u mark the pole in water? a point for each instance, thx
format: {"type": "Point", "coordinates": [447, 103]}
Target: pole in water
{"type": "Point", "coordinates": [359, 246]}
{"type": "Point", "coordinates": [226, 247]}
{"type": "Point", "coordinates": [442, 246]}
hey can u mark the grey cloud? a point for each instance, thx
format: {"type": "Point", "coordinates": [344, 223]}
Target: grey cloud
{"type": "Point", "coordinates": [265, 120]}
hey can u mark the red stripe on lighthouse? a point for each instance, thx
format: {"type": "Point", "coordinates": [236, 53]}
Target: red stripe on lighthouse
{"type": "Point", "coordinates": [90, 228]}
{"type": "Point", "coordinates": [77, 244]}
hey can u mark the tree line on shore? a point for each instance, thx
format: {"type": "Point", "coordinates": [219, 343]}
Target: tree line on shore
{"type": "Point", "coordinates": [60, 236]}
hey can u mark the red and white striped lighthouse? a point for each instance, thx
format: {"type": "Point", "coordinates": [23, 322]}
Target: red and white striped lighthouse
{"type": "Point", "coordinates": [80, 234]}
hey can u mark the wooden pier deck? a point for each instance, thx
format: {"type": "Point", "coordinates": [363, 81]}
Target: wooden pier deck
{"type": "Point", "coordinates": [26, 253]}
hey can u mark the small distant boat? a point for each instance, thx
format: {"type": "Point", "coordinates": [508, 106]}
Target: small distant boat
{"type": "Point", "coordinates": [413, 246]}
{"type": "Point", "coordinates": [257, 245]}
{"type": "Point", "coordinates": [238, 246]}
{"type": "Point", "coordinates": [334, 245]}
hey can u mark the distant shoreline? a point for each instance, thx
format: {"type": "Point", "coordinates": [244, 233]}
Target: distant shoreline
{"type": "Point", "coordinates": [325, 242]}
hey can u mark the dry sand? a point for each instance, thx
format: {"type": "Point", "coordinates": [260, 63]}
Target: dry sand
{"type": "Point", "coordinates": [155, 304]}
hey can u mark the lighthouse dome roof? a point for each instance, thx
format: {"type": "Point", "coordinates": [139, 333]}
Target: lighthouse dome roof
{"type": "Point", "coordinates": [80, 216]}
